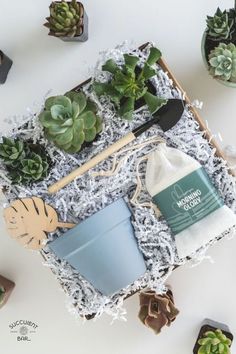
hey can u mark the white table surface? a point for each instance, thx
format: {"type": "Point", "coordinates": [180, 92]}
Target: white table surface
{"type": "Point", "coordinates": [42, 63]}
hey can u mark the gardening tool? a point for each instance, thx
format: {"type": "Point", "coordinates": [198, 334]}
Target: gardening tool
{"type": "Point", "coordinates": [167, 116]}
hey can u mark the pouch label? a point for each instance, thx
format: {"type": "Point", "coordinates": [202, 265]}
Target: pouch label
{"type": "Point", "coordinates": [188, 200]}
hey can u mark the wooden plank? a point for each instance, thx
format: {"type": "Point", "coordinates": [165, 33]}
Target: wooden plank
{"type": "Point", "coordinates": [202, 126]}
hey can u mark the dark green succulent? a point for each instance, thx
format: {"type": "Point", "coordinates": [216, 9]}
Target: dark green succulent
{"type": "Point", "coordinates": [70, 121]}
{"type": "Point", "coordinates": [222, 62]}
{"type": "Point", "coordinates": [214, 342]}
{"type": "Point", "coordinates": [129, 83]}
{"type": "Point", "coordinates": [2, 294]}
{"type": "Point", "coordinates": [11, 151]}
{"type": "Point", "coordinates": [33, 168]}
{"type": "Point", "coordinates": [24, 161]}
{"type": "Point", "coordinates": [66, 19]}
{"type": "Point", "coordinates": [221, 25]}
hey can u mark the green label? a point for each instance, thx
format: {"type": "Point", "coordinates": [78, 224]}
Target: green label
{"type": "Point", "coordinates": [189, 200]}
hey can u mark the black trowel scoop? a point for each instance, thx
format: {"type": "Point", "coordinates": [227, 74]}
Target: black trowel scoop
{"type": "Point", "coordinates": [166, 117]}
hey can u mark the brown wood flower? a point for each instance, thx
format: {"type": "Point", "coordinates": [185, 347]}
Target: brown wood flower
{"type": "Point", "coordinates": [29, 219]}
{"type": "Point", "coordinates": [157, 311]}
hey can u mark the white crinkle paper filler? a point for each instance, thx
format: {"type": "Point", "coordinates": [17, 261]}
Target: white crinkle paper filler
{"type": "Point", "coordinates": [88, 194]}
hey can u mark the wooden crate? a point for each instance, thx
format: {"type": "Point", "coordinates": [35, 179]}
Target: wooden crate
{"type": "Point", "coordinates": [202, 125]}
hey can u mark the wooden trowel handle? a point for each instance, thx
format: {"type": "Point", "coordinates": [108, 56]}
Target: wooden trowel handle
{"type": "Point", "coordinates": [128, 138]}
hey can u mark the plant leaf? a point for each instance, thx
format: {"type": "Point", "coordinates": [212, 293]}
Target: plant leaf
{"type": "Point", "coordinates": [61, 100]}
{"type": "Point", "coordinates": [130, 62]}
{"type": "Point", "coordinates": [89, 119]}
{"type": "Point", "coordinates": [106, 89]}
{"type": "Point", "coordinates": [110, 66]}
{"type": "Point", "coordinates": [90, 134]}
{"type": "Point", "coordinates": [201, 350]}
{"type": "Point", "coordinates": [98, 124]}
{"type": "Point", "coordinates": [65, 138]}
{"type": "Point", "coordinates": [75, 109]}
{"type": "Point", "coordinates": [127, 108]}
{"type": "Point", "coordinates": [154, 102]}
{"type": "Point", "coordinates": [154, 56]}
{"type": "Point", "coordinates": [57, 111]}
{"type": "Point", "coordinates": [148, 71]}
{"type": "Point", "coordinates": [79, 98]}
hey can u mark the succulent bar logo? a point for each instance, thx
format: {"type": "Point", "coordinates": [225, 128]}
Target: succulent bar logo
{"type": "Point", "coordinates": [23, 329]}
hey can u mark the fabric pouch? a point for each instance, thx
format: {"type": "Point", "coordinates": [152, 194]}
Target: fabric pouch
{"type": "Point", "coordinates": [187, 199]}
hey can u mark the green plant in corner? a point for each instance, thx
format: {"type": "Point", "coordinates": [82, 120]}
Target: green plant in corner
{"type": "Point", "coordinates": [129, 83]}
{"type": "Point", "coordinates": [2, 294]}
{"type": "Point", "coordinates": [222, 62]}
{"type": "Point", "coordinates": [24, 162]}
{"type": "Point", "coordinates": [221, 25]}
{"type": "Point", "coordinates": [65, 19]}
{"type": "Point", "coordinates": [11, 151]}
{"type": "Point", "coordinates": [32, 168]}
{"type": "Point", "coordinates": [70, 121]}
{"type": "Point", "coordinates": [214, 342]}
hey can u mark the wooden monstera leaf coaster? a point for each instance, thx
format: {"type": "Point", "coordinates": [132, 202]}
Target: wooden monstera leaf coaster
{"type": "Point", "coordinates": [29, 219]}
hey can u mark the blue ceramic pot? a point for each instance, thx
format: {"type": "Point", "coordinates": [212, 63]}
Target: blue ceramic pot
{"type": "Point", "coordinates": [103, 249]}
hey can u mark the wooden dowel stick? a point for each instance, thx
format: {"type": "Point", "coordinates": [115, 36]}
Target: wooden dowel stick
{"type": "Point", "coordinates": [66, 225]}
{"type": "Point", "coordinates": [128, 138]}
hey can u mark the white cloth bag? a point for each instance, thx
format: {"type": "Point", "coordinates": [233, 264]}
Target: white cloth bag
{"type": "Point", "coordinates": [169, 174]}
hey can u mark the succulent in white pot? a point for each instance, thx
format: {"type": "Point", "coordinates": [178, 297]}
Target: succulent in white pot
{"type": "Point", "coordinates": [219, 46]}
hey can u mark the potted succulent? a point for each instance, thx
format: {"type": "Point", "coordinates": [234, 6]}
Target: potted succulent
{"type": "Point", "coordinates": [219, 46]}
{"type": "Point", "coordinates": [24, 161]}
{"type": "Point", "coordinates": [6, 287]}
{"type": "Point", "coordinates": [157, 310]}
{"type": "Point", "coordinates": [214, 337]}
{"type": "Point", "coordinates": [70, 121]}
{"type": "Point", "coordinates": [89, 248]}
{"type": "Point", "coordinates": [68, 21]}
{"type": "Point", "coordinates": [5, 65]}
{"type": "Point", "coordinates": [129, 86]}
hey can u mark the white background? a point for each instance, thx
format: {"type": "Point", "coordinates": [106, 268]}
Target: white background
{"type": "Point", "coordinates": [42, 63]}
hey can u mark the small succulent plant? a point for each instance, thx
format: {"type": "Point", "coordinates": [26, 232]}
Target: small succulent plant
{"type": "Point", "coordinates": [11, 151]}
{"type": "Point", "coordinates": [31, 169]}
{"type": "Point", "coordinates": [2, 294]}
{"type": "Point", "coordinates": [222, 62]}
{"type": "Point", "coordinates": [66, 19]}
{"type": "Point", "coordinates": [129, 83]}
{"type": "Point", "coordinates": [214, 342]}
{"type": "Point", "coordinates": [221, 25]}
{"type": "Point", "coordinates": [25, 162]}
{"type": "Point", "coordinates": [70, 121]}
{"type": "Point", "coordinates": [157, 311]}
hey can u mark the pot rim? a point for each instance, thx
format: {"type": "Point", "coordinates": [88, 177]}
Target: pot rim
{"type": "Point", "coordinates": [91, 228]}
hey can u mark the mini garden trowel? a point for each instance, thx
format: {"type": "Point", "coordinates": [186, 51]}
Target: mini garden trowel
{"type": "Point", "coordinates": [166, 117]}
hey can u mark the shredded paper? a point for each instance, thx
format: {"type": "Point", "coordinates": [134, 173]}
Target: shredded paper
{"type": "Point", "coordinates": [91, 192]}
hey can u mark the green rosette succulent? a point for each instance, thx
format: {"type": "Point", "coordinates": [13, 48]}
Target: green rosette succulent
{"type": "Point", "coordinates": [33, 168]}
{"type": "Point", "coordinates": [221, 25]}
{"type": "Point", "coordinates": [222, 61]}
{"type": "Point", "coordinates": [11, 151]}
{"type": "Point", "coordinates": [70, 121]}
{"type": "Point", "coordinates": [2, 294]}
{"type": "Point", "coordinates": [214, 342]}
{"type": "Point", "coordinates": [66, 19]}
{"type": "Point", "coordinates": [129, 83]}
{"type": "Point", "coordinates": [25, 162]}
